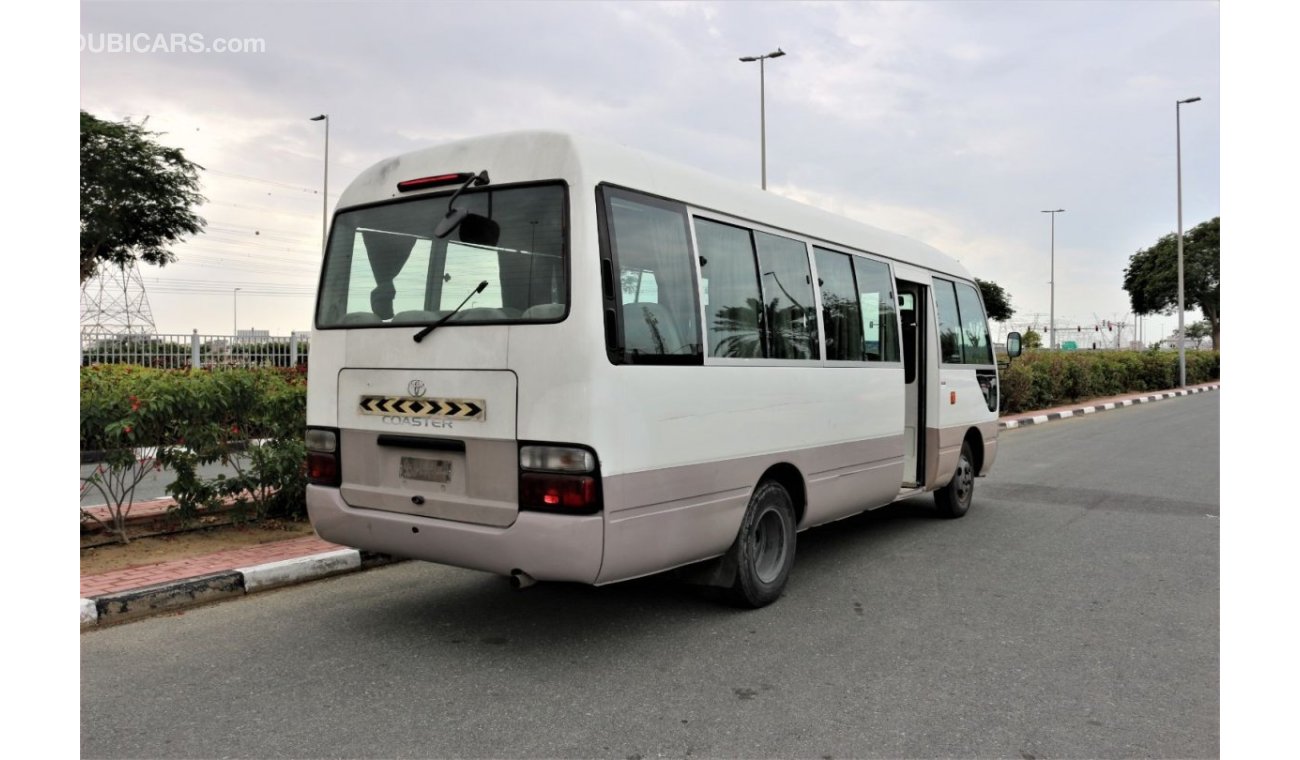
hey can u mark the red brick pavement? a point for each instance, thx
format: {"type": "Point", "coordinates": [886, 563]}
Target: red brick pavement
{"type": "Point", "coordinates": [163, 572]}
{"type": "Point", "coordinates": [139, 510]}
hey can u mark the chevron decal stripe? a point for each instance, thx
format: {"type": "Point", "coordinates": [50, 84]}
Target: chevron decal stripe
{"type": "Point", "coordinates": [410, 406]}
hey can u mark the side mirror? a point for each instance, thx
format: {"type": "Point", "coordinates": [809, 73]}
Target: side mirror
{"type": "Point", "coordinates": [1013, 345]}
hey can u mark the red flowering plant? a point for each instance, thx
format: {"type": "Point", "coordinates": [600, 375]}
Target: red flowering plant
{"type": "Point", "coordinates": [137, 420]}
{"type": "Point", "coordinates": [125, 414]}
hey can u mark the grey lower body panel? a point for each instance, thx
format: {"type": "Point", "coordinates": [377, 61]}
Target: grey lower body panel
{"type": "Point", "coordinates": [990, 448]}
{"type": "Point", "coordinates": [664, 518]}
{"type": "Point", "coordinates": [653, 520]}
{"type": "Point", "coordinates": [945, 447]}
{"type": "Point", "coordinates": [548, 547]}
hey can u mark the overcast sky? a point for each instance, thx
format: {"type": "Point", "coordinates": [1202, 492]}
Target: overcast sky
{"type": "Point", "coordinates": [952, 122]}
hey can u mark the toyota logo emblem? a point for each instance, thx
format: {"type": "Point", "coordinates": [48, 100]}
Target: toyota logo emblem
{"type": "Point", "coordinates": [416, 388]}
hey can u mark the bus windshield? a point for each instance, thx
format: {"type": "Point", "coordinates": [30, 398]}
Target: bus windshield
{"type": "Point", "coordinates": [385, 266]}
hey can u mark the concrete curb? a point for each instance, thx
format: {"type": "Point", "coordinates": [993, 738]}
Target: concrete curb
{"type": "Point", "coordinates": [298, 570]}
{"type": "Point", "coordinates": [1038, 419]}
{"type": "Point", "coordinates": [191, 592]}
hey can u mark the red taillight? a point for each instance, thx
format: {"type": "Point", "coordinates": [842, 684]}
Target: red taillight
{"type": "Point", "coordinates": [558, 493]}
{"type": "Point", "coordinates": [435, 181]}
{"type": "Point", "coordinates": [322, 468]}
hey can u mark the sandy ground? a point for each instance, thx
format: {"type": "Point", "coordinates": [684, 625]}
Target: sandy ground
{"type": "Point", "coordinates": [194, 543]}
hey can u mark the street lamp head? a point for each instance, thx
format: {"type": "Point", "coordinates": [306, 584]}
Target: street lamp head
{"type": "Point", "coordinates": [1189, 100]}
{"type": "Point", "coordinates": [320, 118]}
{"type": "Point", "coordinates": [1053, 210]}
{"type": "Point", "coordinates": [751, 58]}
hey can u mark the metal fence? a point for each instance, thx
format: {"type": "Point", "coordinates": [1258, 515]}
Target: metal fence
{"type": "Point", "coordinates": [194, 350]}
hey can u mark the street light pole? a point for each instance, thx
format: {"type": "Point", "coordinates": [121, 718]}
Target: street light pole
{"type": "Point", "coordinates": [1178, 142]}
{"type": "Point", "coordinates": [1051, 326]}
{"type": "Point", "coordinates": [235, 322]}
{"type": "Point", "coordinates": [762, 103]}
{"type": "Point", "coordinates": [325, 192]}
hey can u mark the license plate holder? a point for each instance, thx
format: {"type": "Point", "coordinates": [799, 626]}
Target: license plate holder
{"type": "Point", "coordinates": [429, 470]}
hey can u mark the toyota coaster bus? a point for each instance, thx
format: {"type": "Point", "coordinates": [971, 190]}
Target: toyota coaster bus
{"type": "Point", "coordinates": [558, 359]}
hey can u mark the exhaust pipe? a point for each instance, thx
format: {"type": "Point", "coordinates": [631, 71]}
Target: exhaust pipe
{"type": "Point", "coordinates": [519, 580]}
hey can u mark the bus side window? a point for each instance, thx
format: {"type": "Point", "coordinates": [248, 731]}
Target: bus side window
{"type": "Point", "coordinates": [879, 316]}
{"type": "Point", "coordinates": [735, 317]}
{"type": "Point", "coordinates": [841, 311]}
{"type": "Point", "coordinates": [786, 282]}
{"type": "Point", "coordinates": [976, 347]}
{"type": "Point", "coordinates": [656, 282]}
{"type": "Point", "coordinates": [950, 334]}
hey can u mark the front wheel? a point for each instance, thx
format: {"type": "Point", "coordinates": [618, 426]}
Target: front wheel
{"type": "Point", "coordinates": [764, 550]}
{"type": "Point", "coordinates": [953, 500]}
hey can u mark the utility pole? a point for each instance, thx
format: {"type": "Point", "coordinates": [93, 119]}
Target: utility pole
{"type": "Point", "coordinates": [762, 103]}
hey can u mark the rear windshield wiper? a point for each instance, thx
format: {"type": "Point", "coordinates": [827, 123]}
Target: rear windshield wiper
{"type": "Point", "coordinates": [420, 335]}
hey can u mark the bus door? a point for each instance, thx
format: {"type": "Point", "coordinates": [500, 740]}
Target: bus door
{"type": "Point", "coordinates": [911, 312]}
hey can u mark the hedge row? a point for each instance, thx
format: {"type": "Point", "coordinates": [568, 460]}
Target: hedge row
{"type": "Point", "coordinates": [252, 420]}
{"type": "Point", "coordinates": [1044, 379]}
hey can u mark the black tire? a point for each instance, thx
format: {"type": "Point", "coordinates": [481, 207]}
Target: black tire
{"type": "Point", "coordinates": [953, 500]}
{"type": "Point", "coordinates": [764, 550]}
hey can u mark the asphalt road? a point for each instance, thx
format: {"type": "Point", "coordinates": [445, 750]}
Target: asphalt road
{"type": "Point", "coordinates": [1072, 613]}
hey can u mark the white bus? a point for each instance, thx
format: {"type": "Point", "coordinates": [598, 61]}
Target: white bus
{"type": "Point", "coordinates": [558, 359]}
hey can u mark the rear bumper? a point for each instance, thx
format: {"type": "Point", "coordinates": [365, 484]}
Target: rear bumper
{"type": "Point", "coordinates": [546, 546]}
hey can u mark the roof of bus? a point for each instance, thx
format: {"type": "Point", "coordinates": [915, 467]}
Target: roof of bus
{"type": "Point", "coordinates": [540, 155]}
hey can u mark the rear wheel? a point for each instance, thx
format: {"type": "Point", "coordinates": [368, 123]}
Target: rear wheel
{"type": "Point", "coordinates": [764, 550]}
{"type": "Point", "coordinates": [953, 500]}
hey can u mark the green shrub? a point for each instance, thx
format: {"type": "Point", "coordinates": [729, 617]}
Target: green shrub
{"type": "Point", "coordinates": [252, 421]}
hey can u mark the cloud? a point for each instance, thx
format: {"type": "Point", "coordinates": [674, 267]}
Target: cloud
{"type": "Point", "coordinates": [951, 122]}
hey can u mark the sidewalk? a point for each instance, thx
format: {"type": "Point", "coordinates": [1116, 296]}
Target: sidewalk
{"type": "Point", "coordinates": [136, 592]}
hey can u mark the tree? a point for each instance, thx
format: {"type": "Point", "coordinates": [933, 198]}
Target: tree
{"type": "Point", "coordinates": [1151, 277]}
{"type": "Point", "coordinates": [1031, 339]}
{"type": "Point", "coordinates": [136, 196]}
{"type": "Point", "coordinates": [996, 300]}
{"type": "Point", "coordinates": [1198, 331]}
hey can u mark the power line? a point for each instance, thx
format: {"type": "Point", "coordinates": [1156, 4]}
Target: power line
{"type": "Point", "coordinates": [222, 239]}
{"type": "Point", "coordinates": [276, 183]}
{"type": "Point", "coordinates": [254, 230]}
{"type": "Point", "coordinates": [307, 275]}
{"type": "Point", "coordinates": [234, 251]}
{"type": "Point", "coordinates": [263, 209]}
{"type": "Point", "coordinates": [225, 289]}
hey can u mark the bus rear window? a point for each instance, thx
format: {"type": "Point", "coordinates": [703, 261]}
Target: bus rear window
{"type": "Point", "coordinates": [384, 266]}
